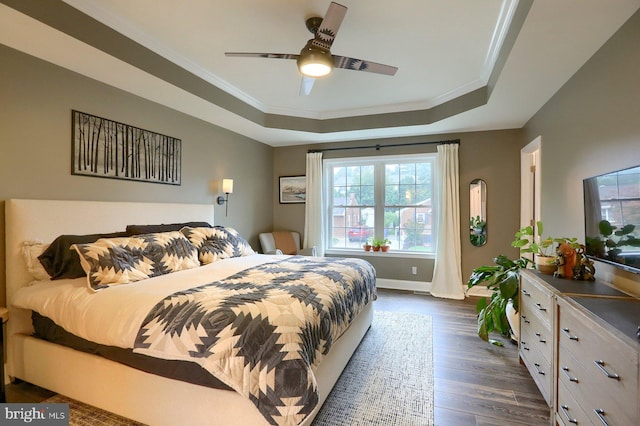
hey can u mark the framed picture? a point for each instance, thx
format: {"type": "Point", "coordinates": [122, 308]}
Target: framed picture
{"type": "Point", "coordinates": [109, 149]}
{"type": "Point", "coordinates": [293, 189]}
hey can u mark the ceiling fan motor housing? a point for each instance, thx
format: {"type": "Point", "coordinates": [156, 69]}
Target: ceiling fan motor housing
{"type": "Point", "coordinates": [315, 61]}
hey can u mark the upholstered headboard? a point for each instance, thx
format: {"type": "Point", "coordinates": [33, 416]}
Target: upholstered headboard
{"type": "Point", "coordinates": [44, 220]}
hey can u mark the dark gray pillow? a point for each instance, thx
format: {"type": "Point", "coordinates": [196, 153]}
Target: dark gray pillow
{"type": "Point", "coordinates": [153, 229]}
{"type": "Point", "coordinates": [60, 261]}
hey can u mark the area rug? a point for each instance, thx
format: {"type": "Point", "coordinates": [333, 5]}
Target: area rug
{"type": "Point", "coordinates": [388, 381]}
{"type": "Point", "coordinates": [85, 415]}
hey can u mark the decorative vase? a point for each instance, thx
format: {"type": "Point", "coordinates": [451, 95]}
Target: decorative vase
{"type": "Point", "coordinates": [385, 248]}
{"type": "Point", "coordinates": [513, 318]}
{"type": "Point", "coordinates": [546, 264]}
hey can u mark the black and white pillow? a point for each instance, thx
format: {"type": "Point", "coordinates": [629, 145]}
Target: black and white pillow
{"type": "Point", "coordinates": [114, 261]}
{"type": "Point", "coordinates": [217, 243]}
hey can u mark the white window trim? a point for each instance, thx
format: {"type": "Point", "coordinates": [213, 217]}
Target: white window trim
{"type": "Point", "coordinates": [353, 161]}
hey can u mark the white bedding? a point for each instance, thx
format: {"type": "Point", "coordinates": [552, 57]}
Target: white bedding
{"type": "Point", "coordinates": [113, 316]}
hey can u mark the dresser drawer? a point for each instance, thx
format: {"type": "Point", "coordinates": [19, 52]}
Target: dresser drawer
{"type": "Point", "coordinates": [539, 368]}
{"type": "Point", "coordinates": [537, 332]}
{"type": "Point", "coordinates": [568, 411]}
{"type": "Point", "coordinates": [537, 299]}
{"type": "Point", "coordinates": [606, 369]}
{"type": "Point", "coordinates": [588, 390]}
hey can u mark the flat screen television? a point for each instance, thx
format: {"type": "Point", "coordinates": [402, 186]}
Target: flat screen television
{"type": "Point", "coordinates": [612, 218]}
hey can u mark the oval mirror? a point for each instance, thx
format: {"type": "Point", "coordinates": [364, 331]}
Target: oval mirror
{"type": "Point", "coordinates": [478, 212]}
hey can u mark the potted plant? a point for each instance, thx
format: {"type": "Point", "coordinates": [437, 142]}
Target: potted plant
{"type": "Point", "coordinates": [500, 313]}
{"type": "Point", "coordinates": [385, 245]}
{"type": "Point", "coordinates": [378, 243]}
{"type": "Point", "coordinates": [503, 279]}
{"type": "Point", "coordinates": [543, 254]}
{"type": "Point", "coordinates": [544, 251]}
{"type": "Point", "coordinates": [367, 245]}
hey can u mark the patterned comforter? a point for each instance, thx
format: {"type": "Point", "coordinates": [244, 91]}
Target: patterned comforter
{"type": "Point", "coordinates": [263, 330]}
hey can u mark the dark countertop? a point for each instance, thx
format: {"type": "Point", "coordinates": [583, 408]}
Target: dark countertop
{"type": "Point", "coordinates": [612, 306]}
{"type": "Point", "coordinates": [624, 315]}
{"type": "Point", "coordinates": [568, 286]}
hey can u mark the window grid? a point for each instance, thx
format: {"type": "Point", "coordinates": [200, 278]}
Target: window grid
{"type": "Point", "coordinates": [381, 197]}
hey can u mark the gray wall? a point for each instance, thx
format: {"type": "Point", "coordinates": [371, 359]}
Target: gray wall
{"type": "Point", "coordinates": [493, 156]}
{"type": "Point", "coordinates": [35, 148]}
{"type": "Point", "coordinates": [591, 126]}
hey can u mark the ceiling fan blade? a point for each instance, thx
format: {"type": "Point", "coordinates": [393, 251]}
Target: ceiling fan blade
{"type": "Point", "coordinates": [306, 85]}
{"type": "Point", "coordinates": [329, 27]}
{"type": "Point", "coordinates": [347, 63]}
{"type": "Point", "coordinates": [262, 55]}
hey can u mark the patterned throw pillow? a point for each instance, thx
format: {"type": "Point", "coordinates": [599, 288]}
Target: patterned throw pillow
{"type": "Point", "coordinates": [113, 261]}
{"type": "Point", "coordinates": [217, 243]}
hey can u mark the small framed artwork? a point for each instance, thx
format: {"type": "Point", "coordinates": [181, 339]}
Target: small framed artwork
{"type": "Point", "coordinates": [293, 189]}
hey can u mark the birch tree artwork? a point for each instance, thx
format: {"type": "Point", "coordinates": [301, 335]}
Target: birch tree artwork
{"type": "Point", "coordinates": [106, 148]}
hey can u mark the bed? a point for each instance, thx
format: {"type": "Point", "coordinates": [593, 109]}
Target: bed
{"type": "Point", "coordinates": [131, 392]}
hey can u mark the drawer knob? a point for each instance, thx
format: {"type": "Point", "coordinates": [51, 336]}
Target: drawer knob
{"type": "Point", "coordinates": [522, 344]}
{"type": "Point", "coordinates": [565, 411]}
{"type": "Point", "coordinates": [566, 373]}
{"type": "Point", "coordinates": [540, 339]}
{"type": "Point", "coordinates": [538, 368]}
{"type": "Point", "coordinates": [541, 308]}
{"type": "Point", "coordinates": [525, 320]}
{"type": "Point", "coordinates": [600, 364]}
{"type": "Point", "coordinates": [600, 413]}
{"type": "Point", "coordinates": [526, 293]}
{"type": "Point", "coordinates": [566, 332]}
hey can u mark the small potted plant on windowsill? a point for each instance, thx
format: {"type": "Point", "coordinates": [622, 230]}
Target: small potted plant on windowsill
{"type": "Point", "coordinates": [367, 245]}
{"type": "Point", "coordinates": [379, 244]}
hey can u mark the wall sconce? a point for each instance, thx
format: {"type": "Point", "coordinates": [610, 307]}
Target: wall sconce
{"type": "Point", "coordinates": [227, 188]}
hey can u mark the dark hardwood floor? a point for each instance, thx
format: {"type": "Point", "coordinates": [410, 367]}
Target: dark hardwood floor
{"type": "Point", "coordinates": [475, 383]}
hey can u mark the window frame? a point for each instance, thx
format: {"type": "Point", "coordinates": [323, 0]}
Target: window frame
{"type": "Point", "coordinates": [379, 162]}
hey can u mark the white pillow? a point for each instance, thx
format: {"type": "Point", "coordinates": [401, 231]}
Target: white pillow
{"type": "Point", "coordinates": [30, 252]}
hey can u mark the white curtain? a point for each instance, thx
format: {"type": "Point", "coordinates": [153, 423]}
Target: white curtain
{"type": "Point", "coordinates": [313, 213]}
{"type": "Point", "coordinates": [447, 273]}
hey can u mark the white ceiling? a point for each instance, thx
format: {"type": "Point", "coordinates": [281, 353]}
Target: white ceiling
{"type": "Point", "coordinates": [444, 49]}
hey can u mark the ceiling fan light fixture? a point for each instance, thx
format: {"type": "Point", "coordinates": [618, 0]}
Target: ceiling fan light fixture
{"type": "Point", "coordinates": [314, 61]}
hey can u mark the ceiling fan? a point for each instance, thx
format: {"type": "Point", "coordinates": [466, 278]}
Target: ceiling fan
{"type": "Point", "coordinates": [315, 59]}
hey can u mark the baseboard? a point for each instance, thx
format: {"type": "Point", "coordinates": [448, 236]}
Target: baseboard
{"type": "Point", "coordinates": [480, 291]}
{"type": "Point", "coordinates": [425, 287]}
{"type": "Point", "coordinates": [419, 286]}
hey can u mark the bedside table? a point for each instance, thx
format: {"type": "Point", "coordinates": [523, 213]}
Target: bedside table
{"type": "Point", "coordinates": [4, 315]}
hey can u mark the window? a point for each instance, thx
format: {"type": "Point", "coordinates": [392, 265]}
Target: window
{"type": "Point", "coordinates": [381, 197]}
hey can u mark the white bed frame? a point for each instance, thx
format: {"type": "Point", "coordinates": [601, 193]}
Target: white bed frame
{"type": "Point", "coordinates": [94, 380]}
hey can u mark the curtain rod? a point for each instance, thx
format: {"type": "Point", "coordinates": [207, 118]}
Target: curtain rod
{"type": "Point", "coordinates": [378, 146]}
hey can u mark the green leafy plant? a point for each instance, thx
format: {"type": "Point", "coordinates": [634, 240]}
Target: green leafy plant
{"type": "Point", "coordinates": [503, 280]}
{"type": "Point", "coordinates": [525, 241]}
{"type": "Point", "coordinates": [379, 242]}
